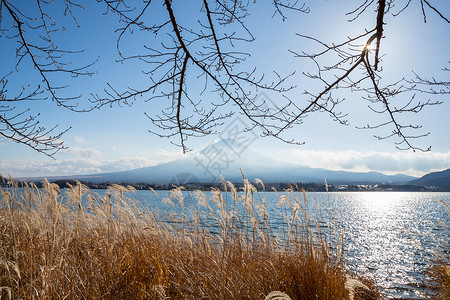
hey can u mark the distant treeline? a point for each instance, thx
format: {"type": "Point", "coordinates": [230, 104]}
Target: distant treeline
{"type": "Point", "coordinates": [280, 186]}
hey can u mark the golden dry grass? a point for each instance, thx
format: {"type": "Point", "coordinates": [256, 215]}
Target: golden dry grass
{"type": "Point", "coordinates": [79, 245]}
{"type": "Point", "coordinates": [439, 271]}
{"type": "Point", "coordinates": [439, 274]}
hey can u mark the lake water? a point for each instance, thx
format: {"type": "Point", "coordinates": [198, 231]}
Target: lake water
{"type": "Point", "coordinates": [388, 235]}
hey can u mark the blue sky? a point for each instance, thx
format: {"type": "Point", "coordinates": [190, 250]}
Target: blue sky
{"type": "Point", "coordinates": [114, 139]}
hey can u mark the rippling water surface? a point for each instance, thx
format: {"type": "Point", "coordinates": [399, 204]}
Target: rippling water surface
{"type": "Point", "coordinates": [388, 235]}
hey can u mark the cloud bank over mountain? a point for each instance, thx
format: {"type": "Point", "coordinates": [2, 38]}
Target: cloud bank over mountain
{"type": "Point", "coordinates": [414, 164]}
{"type": "Point", "coordinates": [87, 160]}
{"type": "Point", "coordinates": [227, 158]}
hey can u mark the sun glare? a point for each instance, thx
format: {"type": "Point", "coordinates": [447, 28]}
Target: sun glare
{"type": "Point", "coordinates": [380, 201]}
{"type": "Point", "coordinates": [369, 47]}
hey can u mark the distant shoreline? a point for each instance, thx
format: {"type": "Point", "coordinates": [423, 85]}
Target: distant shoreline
{"type": "Point", "coordinates": [308, 187]}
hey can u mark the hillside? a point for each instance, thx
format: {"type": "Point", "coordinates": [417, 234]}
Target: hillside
{"type": "Point", "coordinates": [439, 179]}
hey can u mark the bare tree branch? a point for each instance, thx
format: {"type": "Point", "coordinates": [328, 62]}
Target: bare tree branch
{"type": "Point", "coordinates": [375, 93]}
{"type": "Point", "coordinates": [38, 50]}
{"type": "Point", "coordinates": [180, 54]}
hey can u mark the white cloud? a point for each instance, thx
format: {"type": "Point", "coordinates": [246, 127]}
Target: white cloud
{"type": "Point", "coordinates": [83, 161]}
{"type": "Point", "coordinates": [166, 156]}
{"type": "Point", "coordinates": [73, 166]}
{"type": "Point", "coordinates": [416, 164]}
{"type": "Point", "coordinates": [83, 152]}
{"type": "Point", "coordinates": [88, 161]}
{"type": "Point", "coordinates": [79, 139]}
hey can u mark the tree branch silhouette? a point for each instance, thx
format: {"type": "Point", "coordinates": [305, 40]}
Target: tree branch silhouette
{"type": "Point", "coordinates": [200, 52]}
{"type": "Point", "coordinates": [196, 67]}
{"type": "Point", "coordinates": [368, 81]}
{"type": "Point", "coordinates": [33, 32]}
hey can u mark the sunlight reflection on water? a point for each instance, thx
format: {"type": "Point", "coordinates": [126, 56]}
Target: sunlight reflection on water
{"type": "Point", "coordinates": [383, 231]}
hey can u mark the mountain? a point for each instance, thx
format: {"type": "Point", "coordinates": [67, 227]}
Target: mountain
{"type": "Point", "coordinates": [226, 158]}
{"type": "Point", "coordinates": [440, 179]}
